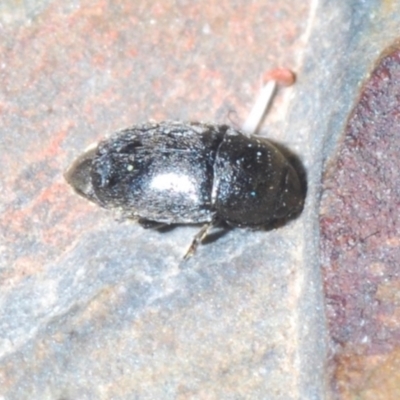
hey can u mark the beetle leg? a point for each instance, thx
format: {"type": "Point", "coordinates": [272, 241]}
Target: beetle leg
{"type": "Point", "coordinates": [149, 224]}
{"type": "Point", "coordinates": [199, 237]}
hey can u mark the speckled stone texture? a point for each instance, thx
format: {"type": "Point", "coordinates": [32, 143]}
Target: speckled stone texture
{"type": "Point", "coordinates": [360, 239]}
{"type": "Point", "coordinates": [94, 308]}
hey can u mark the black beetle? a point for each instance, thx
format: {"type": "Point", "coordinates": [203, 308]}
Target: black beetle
{"type": "Point", "coordinates": [185, 173]}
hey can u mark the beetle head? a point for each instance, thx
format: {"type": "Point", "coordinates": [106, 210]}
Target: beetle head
{"type": "Point", "coordinates": [291, 199]}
